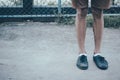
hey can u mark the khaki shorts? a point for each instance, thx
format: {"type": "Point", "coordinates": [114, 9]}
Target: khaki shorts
{"type": "Point", "coordinates": [101, 4]}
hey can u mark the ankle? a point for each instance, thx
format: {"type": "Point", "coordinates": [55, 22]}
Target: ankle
{"type": "Point", "coordinates": [82, 52]}
{"type": "Point", "coordinates": [85, 54]}
{"type": "Point", "coordinates": [95, 52]}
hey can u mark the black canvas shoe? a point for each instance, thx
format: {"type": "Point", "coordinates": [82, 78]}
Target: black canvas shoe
{"type": "Point", "coordinates": [82, 62]}
{"type": "Point", "coordinates": [100, 62]}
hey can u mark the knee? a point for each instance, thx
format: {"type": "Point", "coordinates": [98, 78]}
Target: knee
{"type": "Point", "coordinates": [82, 13]}
{"type": "Point", "coordinates": [97, 13]}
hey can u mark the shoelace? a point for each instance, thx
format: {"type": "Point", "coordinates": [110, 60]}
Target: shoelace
{"type": "Point", "coordinates": [102, 59]}
{"type": "Point", "coordinates": [83, 58]}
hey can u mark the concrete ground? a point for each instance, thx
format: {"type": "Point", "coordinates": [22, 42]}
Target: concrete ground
{"type": "Point", "coordinates": [48, 51]}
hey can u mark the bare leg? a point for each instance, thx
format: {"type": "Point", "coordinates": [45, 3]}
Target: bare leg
{"type": "Point", "coordinates": [98, 28]}
{"type": "Point", "coordinates": [81, 28]}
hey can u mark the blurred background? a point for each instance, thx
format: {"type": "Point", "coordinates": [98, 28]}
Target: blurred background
{"type": "Point", "coordinates": [38, 3]}
{"type": "Point", "coordinates": [52, 11]}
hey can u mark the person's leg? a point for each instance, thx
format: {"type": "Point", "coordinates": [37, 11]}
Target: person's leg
{"type": "Point", "coordinates": [82, 62]}
{"type": "Point", "coordinates": [97, 10]}
{"type": "Point", "coordinates": [81, 28]}
{"type": "Point", "coordinates": [98, 28]}
{"type": "Point", "coordinates": [82, 6]}
{"type": "Point", "coordinates": [98, 31]}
